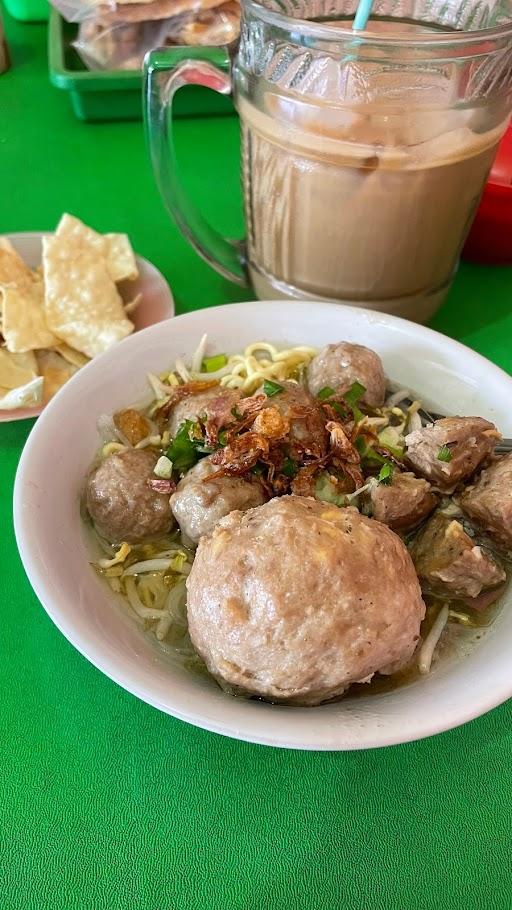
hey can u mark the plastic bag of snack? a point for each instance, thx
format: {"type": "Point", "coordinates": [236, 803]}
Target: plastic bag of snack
{"type": "Point", "coordinates": [117, 39]}
{"type": "Point", "coordinates": [115, 36]}
{"type": "Point", "coordinates": [115, 47]}
{"type": "Point", "coordinates": [124, 12]}
{"type": "Point", "coordinates": [217, 26]}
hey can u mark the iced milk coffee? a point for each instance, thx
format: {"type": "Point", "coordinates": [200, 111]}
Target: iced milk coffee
{"type": "Point", "coordinates": [366, 202]}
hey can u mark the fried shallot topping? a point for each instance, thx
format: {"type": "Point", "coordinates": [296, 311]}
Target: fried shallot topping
{"type": "Point", "coordinates": [222, 415]}
{"type": "Point", "coordinates": [179, 392]}
{"type": "Point", "coordinates": [161, 485]}
{"type": "Point", "coordinates": [241, 454]}
{"type": "Point", "coordinates": [272, 424]}
{"type": "Point", "coordinates": [340, 444]}
{"type": "Point", "coordinates": [303, 484]}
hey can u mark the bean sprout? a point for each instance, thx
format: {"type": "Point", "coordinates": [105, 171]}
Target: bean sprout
{"type": "Point", "coordinates": [414, 422]}
{"type": "Point", "coordinates": [397, 397]}
{"type": "Point", "coordinates": [428, 647]}
{"type": "Point", "coordinates": [198, 355]}
{"type": "Point", "coordinates": [136, 603]}
{"type": "Point", "coordinates": [161, 389]}
{"type": "Point", "coordinates": [124, 550]}
{"type": "Point", "coordinates": [181, 369]}
{"type": "Point", "coordinates": [148, 565]}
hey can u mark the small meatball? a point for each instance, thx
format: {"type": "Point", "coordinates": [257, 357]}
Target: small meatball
{"type": "Point", "coordinates": [308, 430]}
{"type": "Point", "coordinates": [132, 424]}
{"type": "Point", "coordinates": [120, 501]}
{"type": "Point", "coordinates": [403, 503]}
{"type": "Point", "coordinates": [297, 599]}
{"type": "Point", "coordinates": [489, 501]}
{"type": "Point", "coordinates": [450, 450]}
{"type": "Point", "coordinates": [448, 561]}
{"type": "Point", "coordinates": [340, 365]}
{"type": "Point", "coordinates": [198, 504]}
{"type": "Point", "coordinates": [204, 404]}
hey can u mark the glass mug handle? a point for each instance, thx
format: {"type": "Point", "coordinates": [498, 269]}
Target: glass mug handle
{"type": "Point", "coordinates": [167, 70]}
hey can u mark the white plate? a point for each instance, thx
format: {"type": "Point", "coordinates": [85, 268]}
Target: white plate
{"type": "Point", "coordinates": [157, 301]}
{"type": "Point", "coordinates": [53, 547]}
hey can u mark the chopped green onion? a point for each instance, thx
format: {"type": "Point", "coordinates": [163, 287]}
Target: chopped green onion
{"type": "Point", "coordinates": [386, 474]}
{"type": "Point", "coordinates": [272, 388]}
{"type": "Point", "coordinates": [338, 409]}
{"type": "Point", "coordinates": [258, 469]}
{"type": "Point", "coordinates": [326, 392]}
{"type": "Point", "coordinates": [444, 454]}
{"type": "Point", "coordinates": [212, 364]}
{"type": "Point", "coordinates": [393, 450]}
{"type": "Point", "coordinates": [362, 445]}
{"type": "Point", "coordinates": [223, 438]}
{"type": "Point", "coordinates": [290, 467]}
{"type": "Point", "coordinates": [372, 455]}
{"type": "Point", "coordinates": [354, 393]}
{"type": "Point", "coordinates": [392, 439]}
{"type": "Point", "coordinates": [184, 449]}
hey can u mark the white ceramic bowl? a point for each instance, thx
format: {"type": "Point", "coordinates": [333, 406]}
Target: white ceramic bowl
{"type": "Point", "coordinates": [54, 552]}
{"type": "Point", "coordinates": [157, 301]}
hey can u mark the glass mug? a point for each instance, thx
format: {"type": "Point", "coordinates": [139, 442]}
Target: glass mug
{"type": "Point", "coordinates": [364, 154]}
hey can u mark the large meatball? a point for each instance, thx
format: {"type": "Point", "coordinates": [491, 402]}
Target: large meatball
{"type": "Point", "coordinates": [198, 503]}
{"type": "Point", "coordinates": [214, 400]}
{"type": "Point", "coordinates": [450, 449]}
{"type": "Point", "coordinates": [121, 503]}
{"type": "Point", "coordinates": [307, 420]}
{"type": "Point", "coordinates": [340, 365]}
{"type": "Point", "coordinates": [297, 599]}
{"type": "Point", "coordinates": [489, 501]}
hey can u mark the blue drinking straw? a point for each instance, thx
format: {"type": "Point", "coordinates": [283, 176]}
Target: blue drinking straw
{"type": "Point", "coordinates": [362, 15]}
{"type": "Point", "coordinates": [359, 24]}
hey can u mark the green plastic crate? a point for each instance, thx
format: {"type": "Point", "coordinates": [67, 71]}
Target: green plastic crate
{"type": "Point", "coordinates": [28, 10]}
{"type": "Point", "coordinates": [115, 94]}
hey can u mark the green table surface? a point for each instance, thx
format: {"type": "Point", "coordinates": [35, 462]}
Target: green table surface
{"type": "Point", "coordinates": [104, 802]}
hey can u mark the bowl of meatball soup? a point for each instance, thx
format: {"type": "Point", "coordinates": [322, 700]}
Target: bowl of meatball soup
{"type": "Point", "coordinates": [287, 523]}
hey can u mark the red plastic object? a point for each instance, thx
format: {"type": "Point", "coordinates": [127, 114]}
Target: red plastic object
{"type": "Point", "coordinates": [490, 238]}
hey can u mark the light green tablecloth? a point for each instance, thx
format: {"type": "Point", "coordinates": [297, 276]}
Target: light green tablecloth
{"type": "Point", "coordinates": [106, 804]}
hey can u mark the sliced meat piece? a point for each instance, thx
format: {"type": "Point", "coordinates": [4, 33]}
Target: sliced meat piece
{"type": "Point", "coordinates": [198, 503]}
{"type": "Point", "coordinates": [216, 403]}
{"type": "Point", "coordinates": [340, 365]}
{"type": "Point", "coordinates": [403, 503]}
{"type": "Point", "coordinates": [450, 450]}
{"type": "Point", "coordinates": [120, 501]}
{"type": "Point", "coordinates": [485, 599]}
{"type": "Point", "coordinates": [448, 561]}
{"type": "Point", "coordinates": [305, 416]}
{"type": "Point", "coordinates": [489, 501]}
